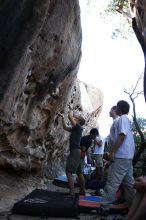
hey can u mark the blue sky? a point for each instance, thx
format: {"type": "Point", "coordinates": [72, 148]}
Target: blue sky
{"type": "Point", "coordinates": [109, 64]}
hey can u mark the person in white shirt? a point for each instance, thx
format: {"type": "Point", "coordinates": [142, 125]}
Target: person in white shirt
{"type": "Point", "coordinates": [113, 129]}
{"type": "Point", "coordinates": [98, 156]}
{"type": "Point", "coordinates": [122, 153]}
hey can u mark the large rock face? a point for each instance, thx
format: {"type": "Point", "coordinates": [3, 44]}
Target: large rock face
{"type": "Point", "coordinates": [40, 50]}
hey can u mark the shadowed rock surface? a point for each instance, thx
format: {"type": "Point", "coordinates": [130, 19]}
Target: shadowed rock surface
{"type": "Point", "coordinates": [40, 65]}
{"type": "Point", "coordinates": [40, 51]}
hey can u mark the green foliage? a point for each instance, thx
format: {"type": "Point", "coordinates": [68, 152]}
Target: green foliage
{"type": "Point", "coordinates": [142, 124]}
{"type": "Point", "coordinates": [119, 10]}
{"type": "Point", "coordinates": [113, 4]}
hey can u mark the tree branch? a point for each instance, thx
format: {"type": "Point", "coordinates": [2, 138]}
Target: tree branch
{"type": "Point", "coordinates": [133, 95]}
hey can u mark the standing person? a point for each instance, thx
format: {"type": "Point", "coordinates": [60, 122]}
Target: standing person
{"type": "Point", "coordinates": [98, 156]}
{"type": "Point", "coordinates": [86, 143]}
{"type": "Point", "coordinates": [113, 129]}
{"type": "Point", "coordinates": [122, 152]}
{"type": "Point", "coordinates": [74, 159]}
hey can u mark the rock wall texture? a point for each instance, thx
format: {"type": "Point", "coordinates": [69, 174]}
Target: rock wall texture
{"type": "Point", "coordinates": [40, 51]}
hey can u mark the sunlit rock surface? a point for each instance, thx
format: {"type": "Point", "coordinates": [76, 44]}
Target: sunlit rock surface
{"type": "Point", "coordinates": [89, 109]}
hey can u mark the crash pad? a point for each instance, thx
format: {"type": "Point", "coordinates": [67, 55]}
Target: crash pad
{"type": "Point", "coordinates": [47, 203]}
{"type": "Point", "coordinates": [89, 203]}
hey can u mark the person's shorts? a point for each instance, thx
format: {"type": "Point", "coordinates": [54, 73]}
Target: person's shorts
{"type": "Point", "coordinates": [98, 160]}
{"type": "Point", "coordinates": [73, 164]}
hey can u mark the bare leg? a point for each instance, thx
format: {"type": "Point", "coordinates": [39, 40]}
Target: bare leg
{"type": "Point", "coordinates": [71, 183]}
{"type": "Point", "coordinates": [81, 182]}
{"type": "Point", "coordinates": [134, 207]}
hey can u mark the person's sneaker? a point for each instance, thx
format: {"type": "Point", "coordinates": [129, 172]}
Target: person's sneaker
{"type": "Point", "coordinates": [99, 192]}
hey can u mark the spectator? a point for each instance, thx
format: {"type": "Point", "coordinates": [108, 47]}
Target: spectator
{"type": "Point", "coordinates": [98, 156]}
{"type": "Point", "coordinates": [113, 132]}
{"type": "Point", "coordinates": [86, 143]}
{"type": "Point", "coordinates": [121, 155]}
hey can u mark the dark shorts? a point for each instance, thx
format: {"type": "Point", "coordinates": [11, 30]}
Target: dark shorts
{"type": "Point", "coordinates": [73, 164]}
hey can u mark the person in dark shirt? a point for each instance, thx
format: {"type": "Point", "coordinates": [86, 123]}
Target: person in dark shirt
{"type": "Point", "coordinates": [86, 143]}
{"type": "Point", "coordinates": [73, 164]}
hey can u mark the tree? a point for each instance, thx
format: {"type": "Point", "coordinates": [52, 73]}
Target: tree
{"type": "Point", "coordinates": [137, 139]}
{"type": "Point", "coordinates": [139, 124]}
{"type": "Point", "coordinates": [142, 124]}
{"type": "Point", "coordinates": [136, 10]}
{"type": "Point", "coordinates": [119, 9]}
{"type": "Point", "coordinates": [120, 6]}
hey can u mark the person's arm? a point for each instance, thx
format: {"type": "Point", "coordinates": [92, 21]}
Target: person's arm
{"type": "Point", "coordinates": [110, 142]}
{"type": "Point", "coordinates": [88, 153]}
{"type": "Point", "coordinates": [96, 112]}
{"type": "Point", "coordinates": [65, 127]}
{"type": "Point", "coordinates": [140, 183]}
{"type": "Point", "coordinates": [71, 118]}
{"type": "Point", "coordinates": [98, 142]}
{"type": "Point", "coordinates": [116, 145]}
{"type": "Point", "coordinates": [83, 148]}
{"type": "Point", "coordinates": [83, 151]}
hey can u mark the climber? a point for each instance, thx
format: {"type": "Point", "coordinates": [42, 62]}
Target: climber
{"type": "Point", "coordinates": [74, 159]}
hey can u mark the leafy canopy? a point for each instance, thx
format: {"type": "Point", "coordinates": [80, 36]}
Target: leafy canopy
{"type": "Point", "coordinates": [120, 8]}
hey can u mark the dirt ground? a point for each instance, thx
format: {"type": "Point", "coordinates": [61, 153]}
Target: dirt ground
{"type": "Point", "coordinates": [7, 215]}
{"type": "Point", "coordinates": [13, 188]}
